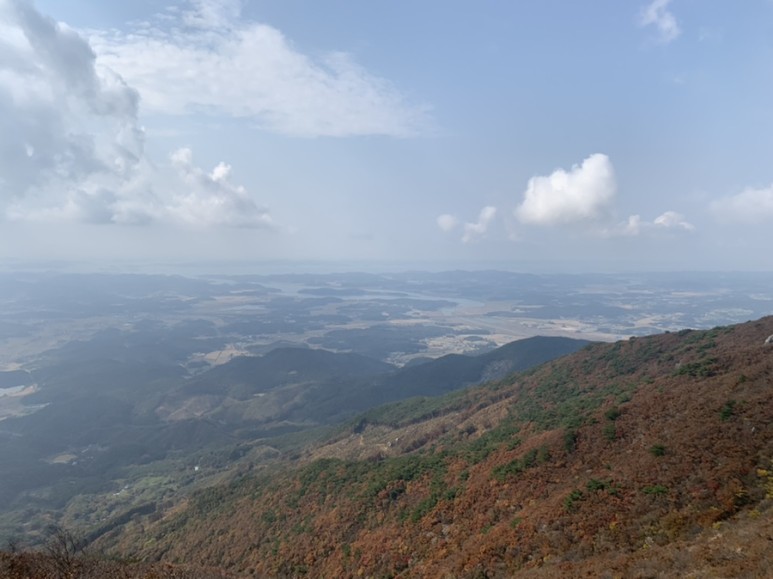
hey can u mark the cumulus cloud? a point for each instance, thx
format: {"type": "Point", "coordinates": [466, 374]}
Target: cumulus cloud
{"type": "Point", "coordinates": [582, 194]}
{"type": "Point", "coordinates": [61, 118]}
{"type": "Point", "coordinates": [657, 14]}
{"type": "Point", "coordinates": [201, 58]}
{"type": "Point", "coordinates": [751, 206]}
{"type": "Point", "coordinates": [474, 230]}
{"type": "Point", "coordinates": [211, 199]}
{"type": "Point", "coordinates": [585, 195]}
{"type": "Point", "coordinates": [72, 147]}
{"type": "Point", "coordinates": [447, 222]}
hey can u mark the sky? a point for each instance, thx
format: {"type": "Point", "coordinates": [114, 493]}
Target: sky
{"type": "Point", "coordinates": [538, 134]}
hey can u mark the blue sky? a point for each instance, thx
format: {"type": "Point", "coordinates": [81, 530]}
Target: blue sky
{"type": "Point", "coordinates": [548, 134]}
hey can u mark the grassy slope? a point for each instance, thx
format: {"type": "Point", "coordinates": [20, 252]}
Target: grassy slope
{"type": "Point", "coordinates": [646, 456]}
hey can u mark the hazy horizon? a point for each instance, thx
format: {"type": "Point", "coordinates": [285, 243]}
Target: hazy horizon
{"type": "Point", "coordinates": [279, 266]}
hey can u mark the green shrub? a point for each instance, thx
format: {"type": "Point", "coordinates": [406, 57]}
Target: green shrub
{"type": "Point", "coordinates": [268, 516]}
{"type": "Point", "coordinates": [658, 450]}
{"type": "Point", "coordinates": [424, 507]}
{"type": "Point", "coordinates": [515, 466]}
{"type": "Point", "coordinates": [702, 369]}
{"type": "Point", "coordinates": [572, 498]}
{"type": "Point", "coordinates": [612, 414]}
{"type": "Point", "coordinates": [570, 441]}
{"type": "Point", "coordinates": [505, 433]}
{"type": "Point", "coordinates": [727, 410]}
{"type": "Point", "coordinates": [596, 485]}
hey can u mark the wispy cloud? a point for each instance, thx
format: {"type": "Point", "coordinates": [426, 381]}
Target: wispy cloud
{"type": "Point", "coordinates": [202, 58]}
{"type": "Point", "coordinates": [447, 222]}
{"type": "Point", "coordinates": [751, 206]}
{"type": "Point", "coordinates": [673, 220]}
{"type": "Point", "coordinates": [657, 14]}
{"type": "Point", "coordinates": [582, 194]}
{"type": "Point", "coordinates": [474, 230]}
{"type": "Point", "coordinates": [635, 226]}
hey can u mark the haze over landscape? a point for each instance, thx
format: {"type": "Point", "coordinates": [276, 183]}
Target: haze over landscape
{"type": "Point", "coordinates": [401, 289]}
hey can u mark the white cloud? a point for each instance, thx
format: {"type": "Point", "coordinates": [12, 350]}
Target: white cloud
{"type": "Point", "coordinates": [447, 222]}
{"type": "Point", "coordinates": [203, 59]}
{"type": "Point", "coordinates": [751, 206]}
{"type": "Point", "coordinates": [635, 226]}
{"type": "Point", "coordinates": [631, 227]}
{"type": "Point", "coordinates": [197, 199]}
{"type": "Point", "coordinates": [211, 198]}
{"type": "Point", "coordinates": [472, 230]}
{"type": "Point", "coordinates": [72, 146]}
{"type": "Point", "coordinates": [64, 120]}
{"type": "Point", "coordinates": [657, 14]}
{"type": "Point", "coordinates": [673, 220]}
{"type": "Point", "coordinates": [584, 193]}
{"type": "Point", "coordinates": [479, 228]}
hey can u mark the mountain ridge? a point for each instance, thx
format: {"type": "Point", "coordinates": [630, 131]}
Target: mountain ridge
{"type": "Point", "coordinates": [302, 383]}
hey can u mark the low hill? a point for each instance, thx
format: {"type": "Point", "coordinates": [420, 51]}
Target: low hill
{"type": "Point", "coordinates": [647, 457]}
{"type": "Point", "coordinates": [305, 387]}
{"type": "Point", "coordinates": [453, 371]}
{"type": "Point", "coordinates": [245, 376]}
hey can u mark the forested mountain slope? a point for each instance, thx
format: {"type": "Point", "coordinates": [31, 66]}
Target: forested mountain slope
{"type": "Point", "coordinates": [112, 405]}
{"type": "Point", "coordinates": [647, 457]}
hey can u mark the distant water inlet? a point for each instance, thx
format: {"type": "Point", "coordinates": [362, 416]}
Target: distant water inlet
{"type": "Point", "coordinates": [12, 401]}
{"type": "Point", "coordinates": [14, 391]}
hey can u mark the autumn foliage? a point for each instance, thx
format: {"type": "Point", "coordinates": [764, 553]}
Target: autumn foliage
{"type": "Point", "coordinates": [647, 457]}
